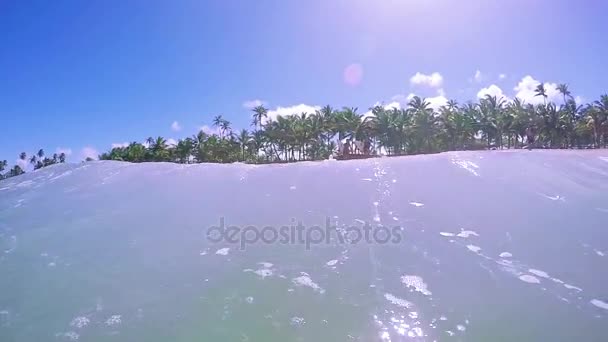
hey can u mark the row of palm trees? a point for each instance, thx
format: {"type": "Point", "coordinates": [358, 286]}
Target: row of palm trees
{"type": "Point", "coordinates": [491, 123]}
{"type": "Point", "coordinates": [223, 147]}
{"type": "Point", "coordinates": [38, 161]}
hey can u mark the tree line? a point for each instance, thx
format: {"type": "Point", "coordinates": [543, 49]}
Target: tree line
{"type": "Point", "coordinates": [491, 123]}
{"type": "Point", "coordinates": [38, 161]}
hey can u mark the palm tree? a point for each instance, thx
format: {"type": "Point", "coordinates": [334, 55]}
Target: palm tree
{"type": "Point", "coordinates": [551, 125]}
{"type": "Point", "coordinates": [424, 125]}
{"type": "Point", "coordinates": [259, 114]}
{"type": "Point", "coordinates": [281, 136]}
{"type": "Point", "coordinates": [315, 147]}
{"type": "Point", "coordinates": [199, 138]}
{"type": "Point", "coordinates": [159, 149]}
{"type": "Point", "coordinates": [452, 104]}
{"type": "Point", "coordinates": [452, 124]}
{"type": "Point", "coordinates": [136, 152]}
{"type": "Point", "coordinates": [348, 122]}
{"type": "Point", "coordinates": [62, 157]}
{"type": "Point", "coordinates": [594, 120]}
{"type": "Point", "coordinates": [416, 129]}
{"type": "Point", "coordinates": [217, 122]}
{"type": "Point", "coordinates": [601, 120]}
{"type": "Point", "coordinates": [465, 126]}
{"type": "Point", "coordinates": [327, 115]}
{"type": "Point", "coordinates": [22, 156]}
{"type": "Point", "coordinates": [521, 120]}
{"type": "Point", "coordinates": [258, 142]}
{"type": "Point", "coordinates": [16, 171]}
{"type": "Point", "coordinates": [243, 139]}
{"type": "Point", "coordinates": [183, 150]}
{"type": "Point", "coordinates": [489, 110]}
{"type": "Point", "coordinates": [541, 91]}
{"type": "Point", "coordinates": [3, 165]}
{"type": "Point", "coordinates": [198, 146]}
{"type": "Point", "coordinates": [225, 127]}
{"type": "Point", "coordinates": [563, 89]}
{"type": "Point", "coordinates": [389, 128]}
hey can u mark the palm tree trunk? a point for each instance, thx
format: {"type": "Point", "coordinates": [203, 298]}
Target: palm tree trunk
{"type": "Point", "coordinates": [276, 153]}
{"type": "Point", "coordinates": [595, 139]}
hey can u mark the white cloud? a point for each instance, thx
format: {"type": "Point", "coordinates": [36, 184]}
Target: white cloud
{"type": "Point", "coordinates": [478, 76]}
{"type": "Point", "coordinates": [390, 106]}
{"type": "Point", "coordinates": [66, 151]}
{"type": "Point", "coordinates": [367, 114]}
{"type": "Point", "coordinates": [433, 80]}
{"type": "Point", "coordinates": [400, 101]}
{"type": "Point", "coordinates": [209, 130]}
{"type": "Point", "coordinates": [579, 100]}
{"type": "Point", "coordinates": [89, 152]}
{"type": "Point", "coordinates": [398, 98]}
{"type": "Point", "coordinates": [254, 103]}
{"type": "Point", "coordinates": [171, 142]}
{"type": "Point", "coordinates": [116, 145]}
{"type": "Point", "coordinates": [492, 90]}
{"type": "Point", "coordinates": [502, 76]}
{"type": "Point", "coordinates": [296, 109]}
{"type": "Point", "coordinates": [175, 126]}
{"type": "Point", "coordinates": [525, 90]}
{"type": "Point", "coordinates": [437, 101]}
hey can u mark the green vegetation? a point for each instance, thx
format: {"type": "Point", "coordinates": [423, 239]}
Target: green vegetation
{"type": "Point", "coordinates": [491, 123]}
{"type": "Point", "coordinates": [38, 161]}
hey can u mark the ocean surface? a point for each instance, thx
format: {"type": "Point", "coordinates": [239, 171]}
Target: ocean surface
{"type": "Point", "coordinates": [469, 246]}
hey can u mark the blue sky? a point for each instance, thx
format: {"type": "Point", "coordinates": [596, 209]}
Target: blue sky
{"type": "Point", "coordinates": [86, 74]}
